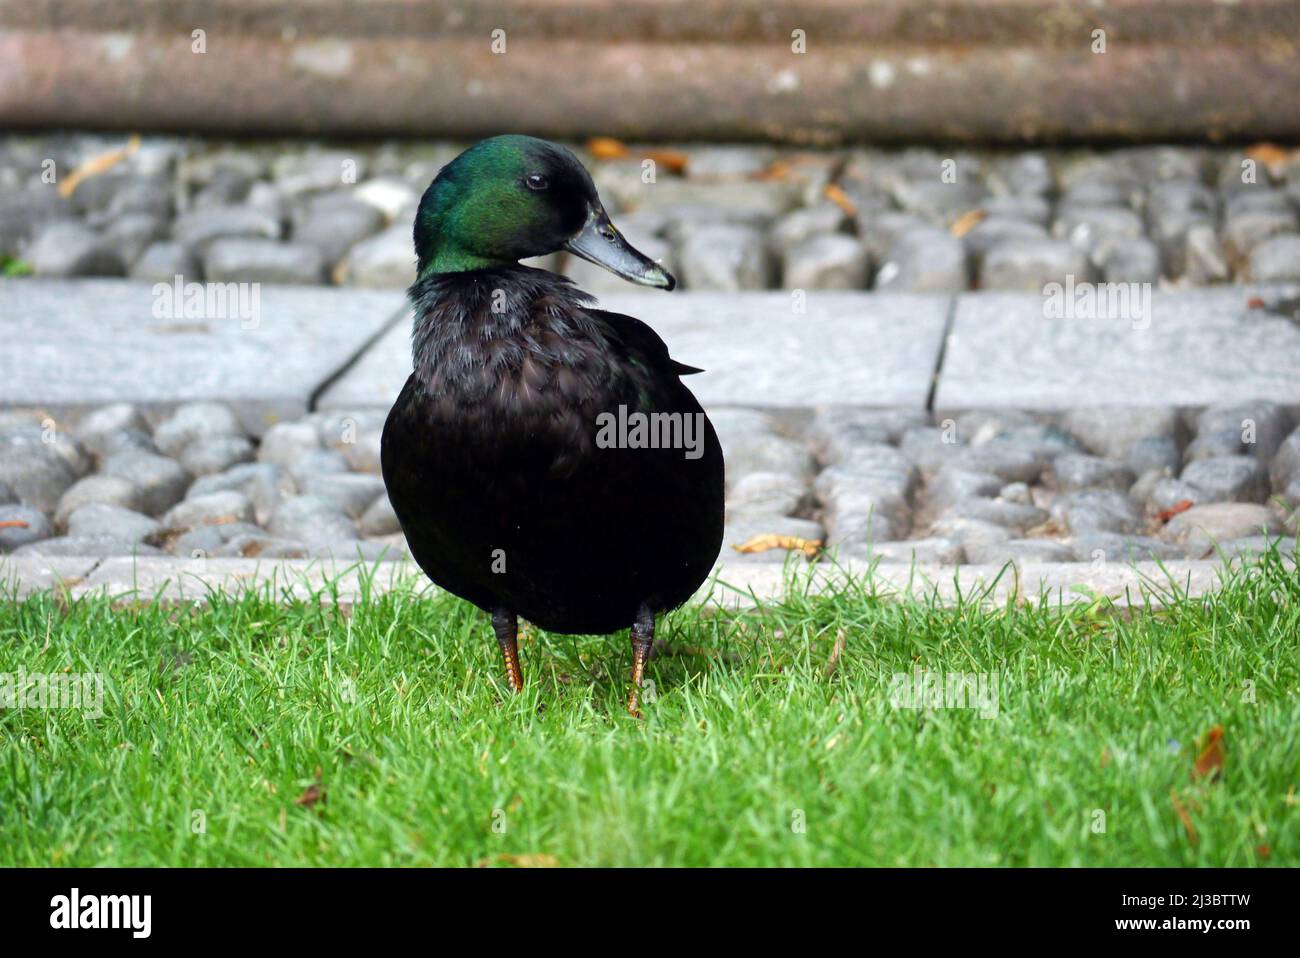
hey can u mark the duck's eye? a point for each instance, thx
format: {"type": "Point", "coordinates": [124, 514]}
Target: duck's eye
{"type": "Point", "coordinates": [536, 181]}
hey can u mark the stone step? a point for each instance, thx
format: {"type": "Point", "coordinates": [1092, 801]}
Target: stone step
{"type": "Point", "coordinates": [147, 579]}
{"type": "Point", "coordinates": [84, 343]}
{"type": "Point", "coordinates": [72, 345]}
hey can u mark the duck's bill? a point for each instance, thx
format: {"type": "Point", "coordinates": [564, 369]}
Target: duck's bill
{"type": "Point", "coordinates": [600, 243]}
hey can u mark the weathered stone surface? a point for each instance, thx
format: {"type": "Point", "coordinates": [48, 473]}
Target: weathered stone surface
{"type": "Point", "coordinates": [197, 228]}
{"type": "Point", "coordinates": [20, 525]}
{"type": "Point", "coordinates": [162, 482]}
{"type": "Point", "coordinates": [846, 349]}
{"type": "Point", "coordinates": [215, 508]}
{"type": "Point", "coordinates": [1018, 550]}
{"type": "Point", "coordinates": [923, 260]}
{"type": "Point", "coordinates": [1010, 515]}
{"type": "Point", "coordinates": [766, 493]}
{"type": "Point", "coordinates": [351, 492]}
{"type": "Point", "coordinates": [101, 520]}
{"type": "Point", "coordinates": [312, 520]}
{"type": "Point", "coordinates": [205, 457]}
{"type": "Point", "coordinates": [98, 547]}
{"type": "Point", "coordinates": [22, 576]}
{"type": "Point", "coordinates": [1097, 510]}
{"type": "Point", "coordinates": [1228, 479]}
{"type": "Point", "coordinates": [33, 468]}
{"type": "Point", "coordinates": [268, 364]}
{"type": "Point", "coordinates": [66, 249]}
{"type": "Point", "coordinates": [197, 420]}
{"type": "Point", "coordinates": [252, 260]}
{"type": "Point", "coordinates": [266, 484]}
{"type": "Point", "coordinates": [379, 519]}
{"type": "Point", "coordinates": [725, 257]}
{"type": "Point", "coordinates": [111, 490]}
{"type": "Point", "coordinates": [1027, 265]}
{"type": "Point", "coordinates": [832, 261]}
{"type": "Point", "coordinates": [386, 259]}
{"type": "Point", "coordinates": [1199, 348]}
{"type": "Point", "coordinates": [1112, 547]}
{"type": "Point", "coordinates": [929, 550]}
{"type": "Point", "coordinates": [836, 430]}
{"type": "Point", "coordinates": [1076, 471]}
{"type": "Point", "coordinates": [1202, 526]}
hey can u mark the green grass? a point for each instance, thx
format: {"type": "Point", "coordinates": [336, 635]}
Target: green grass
{"type": "Point", "coordinates": [399, 711]}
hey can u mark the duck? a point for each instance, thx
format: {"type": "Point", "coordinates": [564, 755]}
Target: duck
{"type": "Point", "coordinates": [544, 458]}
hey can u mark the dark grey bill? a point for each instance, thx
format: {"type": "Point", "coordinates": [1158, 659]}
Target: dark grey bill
{"type": "Point", "coordinates": [600, 243]}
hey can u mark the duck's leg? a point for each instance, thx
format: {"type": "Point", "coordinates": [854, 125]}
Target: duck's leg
{"type": "Point", "coordinates": [643, 637]}
{"type": "Point", "coordinates": [506, 626]}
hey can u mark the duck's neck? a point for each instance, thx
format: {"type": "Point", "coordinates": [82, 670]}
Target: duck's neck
{"type": "Point", "coordinates": [449, 259]}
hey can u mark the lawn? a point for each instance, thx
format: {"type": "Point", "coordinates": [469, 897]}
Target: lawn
{"type": "Point", "coordinates": [251, 732]}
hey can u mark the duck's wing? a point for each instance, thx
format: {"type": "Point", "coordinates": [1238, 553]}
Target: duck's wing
{"type": "Point", "coordinates": [641, 342]}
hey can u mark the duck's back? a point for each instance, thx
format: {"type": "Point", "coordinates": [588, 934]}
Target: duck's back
{"type": "Point", "coordinates": [519, 456]}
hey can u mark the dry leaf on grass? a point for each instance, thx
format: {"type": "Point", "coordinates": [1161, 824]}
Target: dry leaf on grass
{"type": "Point", "coordinates": [1185, 817]}
{"type": "Point", "coordinates": [529, 860]}
{"type": "Point", "coordinates": [771, 540]}
{"type": "Point", "coordinates": [836, 652]}
{"type": "Point", "coordinates": [1209, 764]}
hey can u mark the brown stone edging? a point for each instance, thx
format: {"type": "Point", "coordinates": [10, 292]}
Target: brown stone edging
{"type": "Point", "coordinates": [737, 585]}
{"type": "Point", "coordinates": [888, 70]}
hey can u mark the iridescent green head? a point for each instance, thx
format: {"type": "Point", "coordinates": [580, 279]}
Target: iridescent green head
{"type": "Point", "coordinates": [512, 197]}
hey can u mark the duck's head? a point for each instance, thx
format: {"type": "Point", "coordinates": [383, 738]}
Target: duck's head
{"type": "Point", "coordinates": [511, 197]}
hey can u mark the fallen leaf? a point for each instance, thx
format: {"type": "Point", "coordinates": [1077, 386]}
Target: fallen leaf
{"type": "Point", "coordinates": [966, 222]}
{"type": "Point", "coordinates": [1209, 764]}
{"type": "Point", "coordinates": [312, 795]}
{"type": "Point", "coordinates": [1186, 818]}
{"type": "Point", "coordinates": [1105, 757]}
{"type": "Point", "coordinates": [834, 660]}
{"type": "Point", "coordinates": [674, 161]}
{"type": "Point", "coordinates": [606, 148]}
{"type": "Point", "coordinates": [1263, 851]}
{"type": "Point", "coordinates": [776, 170]}
{"type": "Point", "coordinates": [97, 165]}
{"type": "Point", "coordinates": [1182, 505]}
{"type": "Point", "coordinates": [13, 524]}
{"type": "Point", "coordinates": [527, 860]}
{"type": "Point", "coordinates": [841, 199]}
{"type": "Point", "coordinates": [771, 540]}
{"type": "Point", "coordinates": [1273, 157]}
{"type": "Point", "coordinates": [1256, 302]}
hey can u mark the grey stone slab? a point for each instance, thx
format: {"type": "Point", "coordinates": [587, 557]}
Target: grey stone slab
{"type": "Point", "coordinates": [733, 585]}
{"type": "Point", "coordinates": [22, 576]}
{"type": "Point", "coordinates": [147, 579]}
{"type": "Point", "coordinates": [741, 585]}
{"type": "Point", "coordinates": [73, 345]}
{"type": "Point", "coordinates": [1134, 584]}
{"type": "Point", "coordinates": [846, 348]}
{"type": "Point", "coordinates": [1200, 347]}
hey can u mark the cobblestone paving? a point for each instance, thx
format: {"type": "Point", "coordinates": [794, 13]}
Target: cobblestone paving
{"type": "Point", "coordinates": [722, 217]}
{"type": "Point", "coordinates": [896, 485]}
